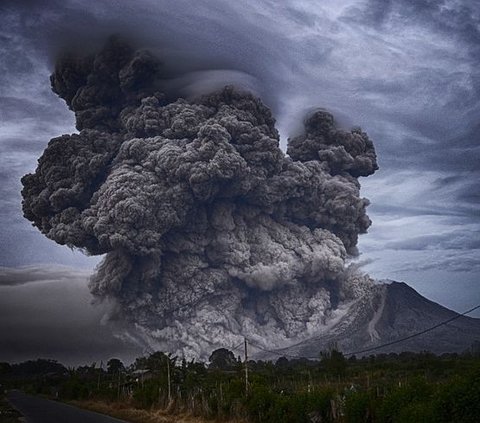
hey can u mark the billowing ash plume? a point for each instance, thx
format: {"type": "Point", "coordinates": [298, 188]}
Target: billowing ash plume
{"type": "Point", "coordinates": [210, 231]}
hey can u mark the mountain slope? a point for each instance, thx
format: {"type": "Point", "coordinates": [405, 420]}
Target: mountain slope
{"type": "Point", "coordinates": [388, 313]}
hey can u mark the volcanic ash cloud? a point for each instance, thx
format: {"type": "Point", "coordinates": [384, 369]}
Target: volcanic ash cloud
{"type": "Point", "coordinates": [209, 230]}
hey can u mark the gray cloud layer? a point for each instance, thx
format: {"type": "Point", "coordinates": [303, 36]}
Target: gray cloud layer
{"type": "Point", "coordinates": [47, 311]}
{"type": "Point", "coordinates": [31, 274]}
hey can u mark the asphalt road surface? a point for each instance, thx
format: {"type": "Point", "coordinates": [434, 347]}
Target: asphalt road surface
{"type": "Point", "coordinates": [40, 410]}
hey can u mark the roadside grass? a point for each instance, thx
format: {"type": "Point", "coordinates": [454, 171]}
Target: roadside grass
{"type": "Point", "coordinates": [125, 411]}
{"type": "Point", "coordinates": [7, 413]}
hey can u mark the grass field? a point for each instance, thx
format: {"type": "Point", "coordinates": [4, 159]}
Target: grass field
{"type": "Point", "coordinates": [7, 413]}
{"type": "Point", "coordinates": [125, 411]}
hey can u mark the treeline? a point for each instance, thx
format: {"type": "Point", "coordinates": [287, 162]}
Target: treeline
{"type": "Point", "coordinates": [408, 387]}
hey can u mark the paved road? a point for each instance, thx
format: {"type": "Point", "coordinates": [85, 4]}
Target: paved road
{"type": "Point", "coordinates": [40, 410]}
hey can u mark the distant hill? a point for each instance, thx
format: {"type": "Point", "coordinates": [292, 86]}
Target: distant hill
{"type": "Point", "coordinates": [387, 313]}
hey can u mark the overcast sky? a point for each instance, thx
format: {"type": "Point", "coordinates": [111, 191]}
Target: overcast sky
{"type": "Point", "coordinates": [406, 71]}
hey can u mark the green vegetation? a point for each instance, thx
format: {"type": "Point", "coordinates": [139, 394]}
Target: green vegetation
{"type": "Point", "coordinates": [386, 388]}
{"type": "Point", "coordinates": [7, 413]}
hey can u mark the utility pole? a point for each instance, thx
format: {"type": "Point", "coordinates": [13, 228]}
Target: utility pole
{"type": "Point", "coordinates": [246, 368]}
{"type": "Point", "coordinates": [118, 388]}
{"type": "Point", "coordinates": [168, 379]}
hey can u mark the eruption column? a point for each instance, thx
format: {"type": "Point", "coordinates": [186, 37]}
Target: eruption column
{"type": "Point", "coordinates": [209, 230]}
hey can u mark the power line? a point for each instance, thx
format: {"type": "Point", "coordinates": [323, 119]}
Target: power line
{"type": "Point", "coordinates": [237, 347]}
{"type": "Point", "coordinates": [415, 334]}
{"type": "Point", "coordinates": [397, 341]}
{"type": "Point", "coordinates": [377, 347]}
{"type": "Point", "coordinates": [277, 353]}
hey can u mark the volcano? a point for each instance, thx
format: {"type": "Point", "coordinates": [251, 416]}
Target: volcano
{"type": "Point", "coordinates": [387, 314]}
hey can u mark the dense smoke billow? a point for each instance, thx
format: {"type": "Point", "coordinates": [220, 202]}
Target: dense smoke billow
{"type": "Point", "coordinates": [209, 230]}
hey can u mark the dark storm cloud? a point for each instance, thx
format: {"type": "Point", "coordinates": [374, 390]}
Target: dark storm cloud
{"type": "Point", "coordinates": [195, 199]}
{"type": "Point", "coordinates": [20, 145]}
{"type": "Point", "coordinates": [62, 323]}
{"type": "Point", "coordinates": [465, 198]}
{"type": "Point", "coordinates": [62, 24]}
{"type": "Point", "coordinates": [431, 150]}
{"type": "Point", "coordinates": [34, 32]}
{"type": "Point", "coordinates": [435, 139]}
{"type": "Point", "coordinates": [12, 108]}
{"type": "Point", "coordinates": [447, 241]}
{"type": "Point", "coordinates": [396, 210]}
{"type": "Point", "coordinates": [258, 52]}
{"type": "Point", "coordinates": [471, 194]}
{"type": "Point", "coordinates": [460, 19]}
{"type": "Point", "coordinates": [30, 114]}
{"type": "Point", "coordinates": [452, 263]}
{"type": "Point", "coordinates": [31, 274]}
{"type": "Point", "coordinates": [435, 135]}
{"type": "Point", "coordinates": [465, 186]}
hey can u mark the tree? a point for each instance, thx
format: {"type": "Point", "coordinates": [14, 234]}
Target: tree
{"type": "Point", "coordinates": [334, 362]}
{"type": "Point", "coordinates": [157, 361]}
{"type": "Point", "coordinates": [5, 368]}
{"type": "Point", "coordinates": [282, 363]}
{"type": "Point", "coordinates": [222, 359]}
{"type": "Point", "coordinates": [39, 367]}
{"type": "Point", "coordinates": [115, 366]}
